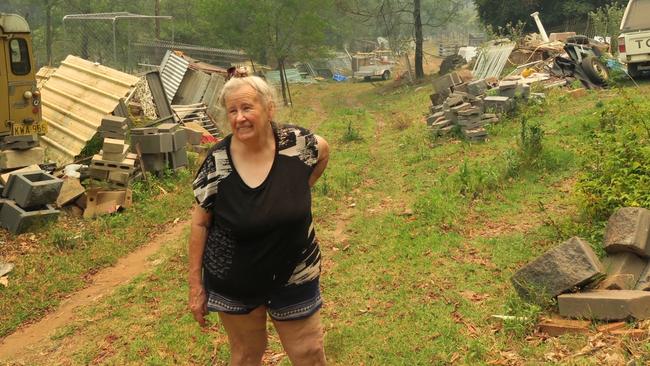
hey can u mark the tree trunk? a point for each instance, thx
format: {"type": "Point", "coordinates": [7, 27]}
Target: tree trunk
{"type": "Point", "coordinates": [156, 11]}
{"type": "Point", "coordinates": [283, 81]}
{"type": "Point", "coordinates": [419, 69]}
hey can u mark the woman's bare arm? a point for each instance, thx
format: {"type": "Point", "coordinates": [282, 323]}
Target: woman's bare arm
{"type": "Point", "coordinates": [198, 235]}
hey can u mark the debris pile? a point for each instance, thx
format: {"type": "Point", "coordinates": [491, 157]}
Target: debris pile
{"type": "Point", "coordinates": [616, 289]}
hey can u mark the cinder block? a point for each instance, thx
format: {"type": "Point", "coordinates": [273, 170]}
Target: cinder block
{"type": "Point", "coordinates": [33, 189]}
{"type": "Point", "coordinates": [154, 162]}
{"type": "Point", "coordinates": [144, 131]}
{"type": "Point", "coordinates": [571, 264]}
{"type": "Point", "coordinates": [461, 88]}
{"type": "Point", "coordinates": [153, 143]}
{"type": "Point", "coordinates": [628, 231]}
{"type": "Point", "coordinates": [98, 163]}
{"type": "Point", "coordinates": [70, 190]}
{"type": "Point", "coordinates": [119, 177]}
{"type": "Point", "coordinates": [18, 220]}
{"type": "Point", "coordinates": [177, 159]}
{"type": "Point", "coordinates": [113, 146]}
{"type": "Point", "coordinates": [168, 127]}
{"type": "Point", "coordinates": [119, 156]}
{"type": "Point", "coordinates": [113, 135]}
{"type": "Point", "coordinates": [98, 174]}
{"type": "Point", "coordinates": [498, 104]}
{"type": "Point", "coordinates": [179, 139]}
{"type": "Point", "coordinates": [4, 178]}
{"type": "Point", "coordinates": [453, 101]}
{"type": "Point", "coordinates": [22, 142]}
{"type": "Point", "coordinates": [623, 271]}
{"type": "Point", "coordinates": [114, 122]}
{"type": "Point", "coordinates": [100, 202]}
{"type": "Point", "coordinates": [436, 99]}
{"type": "Point", "coordinates": [478, 87]}
{"type": "Point", "coordinates": [11, 159]}
{"type": "Point", "coordinates": [606, 305]}
{"type": "Point", "coordinates": [194, 137]}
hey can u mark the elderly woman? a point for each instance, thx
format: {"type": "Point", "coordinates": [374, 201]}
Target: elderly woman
{"type": "Point", "coordinates": [252, 248]}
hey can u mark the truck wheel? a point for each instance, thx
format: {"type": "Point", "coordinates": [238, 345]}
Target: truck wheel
{"type": "Point", "coordinates": [595, 70]}
{"type": "Point", "coordinates": [385, 75]}
{"type": "Point", "coordinates": [633, 70]}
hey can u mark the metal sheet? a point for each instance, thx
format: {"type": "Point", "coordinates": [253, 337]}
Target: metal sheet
{"type": "Point", "coordinates": [75, 98]}
{"type": "Point", "coordinates": [172, 70]}
{"type": "Point", "coordinates": [192, 87]}
{"type": "Point", "coordinates": [158, 92]}
{"type": "Point", "coordinates": [492, 60]}
{"type": "Point", "coordinates": [293, 77]}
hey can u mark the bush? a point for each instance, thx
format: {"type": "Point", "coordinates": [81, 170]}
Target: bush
{"type": "Point", "coordinates": [616, 172]}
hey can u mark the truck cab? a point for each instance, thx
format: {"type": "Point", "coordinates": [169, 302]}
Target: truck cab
{"type": "Point", "coordinates": [20, 102]}
{"type": "Point", "coordinates": [634, 41]}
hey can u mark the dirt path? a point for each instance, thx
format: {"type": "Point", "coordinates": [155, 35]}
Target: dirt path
{"type": "Point", "coordinates": [19, 344]}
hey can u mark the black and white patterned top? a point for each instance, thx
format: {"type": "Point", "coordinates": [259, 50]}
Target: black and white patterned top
{"type": "Point", "coordinates": [263, 237]}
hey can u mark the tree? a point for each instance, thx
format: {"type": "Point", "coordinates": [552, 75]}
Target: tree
{"type": "Point", "coordinates": [499, 13]}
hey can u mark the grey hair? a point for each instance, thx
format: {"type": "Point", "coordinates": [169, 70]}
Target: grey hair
{"type": "Point", "coordinates": [265, 92]}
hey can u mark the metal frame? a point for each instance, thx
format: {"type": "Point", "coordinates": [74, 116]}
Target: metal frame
{"type": "Point", "coordinates": [114, 17]}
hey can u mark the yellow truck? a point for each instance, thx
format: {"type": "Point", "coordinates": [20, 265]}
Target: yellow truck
{"type": "Point", "coordinates": [20, 101]}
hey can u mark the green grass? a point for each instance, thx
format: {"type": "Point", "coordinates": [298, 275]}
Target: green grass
{"type": "Point", "coordinates": [434, 230]}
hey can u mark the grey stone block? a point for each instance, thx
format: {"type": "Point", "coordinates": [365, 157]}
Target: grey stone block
{"type": "Point", "coordinates": [144, 131]}
{"type": "Point", "coordinates": [477, 88]}
{"type": "Point", "coordinates": [606, 305]}
{"type": "Point", "coordinates": [153, 143]}
{"type": "Point", "coordinates": [18, 220]}
{"type": "Point", "coordinates": [177, 159]}
{"type": "Point", "coordinates": [623, 271]}
{"type": "Point", "coordinates": [168, 127]}
{"type": "Point", "coordinates": [498, 104]}
{"type": "Point", "coordinates": [461, 88]}
{"type": "Point", "coordinates": [453, 101]}
{"type": "Point", "coordinates": [569, 265]}
{"type": "Point", "coordinates": [436, 99]}
{"type": "Point", "coordinates": [23, 142]}
{"type": "Point", "coordinates": [179, 139]}
{"type": "Point", "coordinates": [11, 159]}
{"type": "Point", "coordinates": [31, 189]}
{"type": "Point", "coordinates": [628, 231]}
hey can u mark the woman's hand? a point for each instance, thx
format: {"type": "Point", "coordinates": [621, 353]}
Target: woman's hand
{"type": "Point", "coordinates": [198, 303]}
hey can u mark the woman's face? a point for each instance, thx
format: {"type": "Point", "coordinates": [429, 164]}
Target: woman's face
{"type": "Point", "coordinates": [248, 117]}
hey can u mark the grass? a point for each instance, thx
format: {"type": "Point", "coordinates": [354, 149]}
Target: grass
{"type": "Point", "coordinates": [420, 237]}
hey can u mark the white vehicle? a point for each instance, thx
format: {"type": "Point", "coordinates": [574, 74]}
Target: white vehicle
{"type": "Point", "coordinates": [634, 41]}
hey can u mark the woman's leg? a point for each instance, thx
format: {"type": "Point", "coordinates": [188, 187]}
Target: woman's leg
{"type": "Point", "coordinates": [302, 340]}
{"type": "Point", "coordinates": [247, 336]}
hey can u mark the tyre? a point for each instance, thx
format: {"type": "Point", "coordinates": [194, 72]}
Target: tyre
{"type": "Point", "coordinates": [385, 75]}
{"type": "Point", "coordinates": [366, 78]}
{"type": "Point", "coordinates": [595, 70]}
{"type": "Point", "coordinates": [579, 39]}
{"type": "Point", "coordinates": [633, 70]}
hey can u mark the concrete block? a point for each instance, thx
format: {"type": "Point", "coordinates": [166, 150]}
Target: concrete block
{"type": "Point", "coordinates": [643, 284]}
{"type": "Point", "coordinates": [478, 87]}
{"type": "Point", "coordinates": [113, 146]}
{"type": "Point", "coordinates": [439, 125]}
{"type": "Point", "coordinates": [461, 88]}
{"type": "Point", "coordinates": [436, 99]}
{"type": "Point", "coordinates": [193, 137]}
{"type": "Point", "coordinates": [18, 220]}
{"type": "Point", "coordinates": [114, 122]}
{"type": "Point", "coordinates": [453, 101]}
{"type": "Point", "coordinates": [623, 271]}
{"type": "Point", "coordinates": [179, 139]}
{"type": "Point", "coordinates": [154, 162]}
{"type": "Point", "coordinates": [32, 189]}
{"type": "Point", "coordinates": [119, 177]}
{"type": "Point", "coordinates": [101, 202]}
{"type": "Point", "coordinates": [569, 265]}
{"type": "Point", "coordinates": [70, 190]}
{"type": "Point", "coordinates": [177, 159]}
{"type": "Point", "coordinates": [144, 131]}
{"type": "Point", "coordinates": [126, 165]}
{"type": "Point", "coordinates": [113, 135]}
{"type": "Point", "coordinates": [628, 230]}
{"type": "Point", "coordinates": [23, 142]}
{"type": "Point", "coordinates": [606, 305]}
{"type": "Point", "coordinates": [450, 115]}
{"type": "Point", "coordinates": [11, 159]}
{"type": "Point", "coordinates": [98, 174]}
{"type": "Point", "coordinates": [119, 156]}
{"type": "Point", "coordinates": [168, 127]}
{"type": "Point", "coordinates": [498, 104]}
{"type": "Point", "coordinates": [461, 107]}
{"type": "Point", "coordinates": [4, 178]}
{"type": "Point", "coordinates": [153, 143]}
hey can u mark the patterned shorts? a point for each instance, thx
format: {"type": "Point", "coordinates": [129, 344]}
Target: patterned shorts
{"type": "Point", "coordinates": [289, 302]}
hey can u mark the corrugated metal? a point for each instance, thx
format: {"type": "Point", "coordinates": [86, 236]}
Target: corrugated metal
{"type": "Point", "coordinates": [75, 98]}
{"type": "Point", "coordinates": [158, 92]}
{"type": "Point", "coordinates": [172, 70]}
{"type": "Point", "coordinates": [192, 88]}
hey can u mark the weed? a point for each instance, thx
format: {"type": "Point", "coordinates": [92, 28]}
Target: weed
{"type": "Point", "coordinates": [524, 316]}
{"type": "Point", "coordinates": [62, 239]}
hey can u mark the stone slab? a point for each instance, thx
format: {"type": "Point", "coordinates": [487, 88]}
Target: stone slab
{"type": "Point", "coordinates": [11, 159]}
{"type": "Point", "coordinates": [478, 87]}
{"type": "Point", "coordinates": [568, 265]}
{"type": "Point", "coordinates": [461, 88]}
{"type": "Point", "coordinates": [32, 189]}
{"type": "Point", "coordinates": [70, 191]}
{"type": "Point", "coordinates": [558, 327]}
{"type": "Point", "coordinates": [18, 220]}
{"type": "Point", "coordinates": [623, 271]}
{"type": "Point", "coordinates": [628, 230]}
{"type": "Point", "coordinates": [606, 305]}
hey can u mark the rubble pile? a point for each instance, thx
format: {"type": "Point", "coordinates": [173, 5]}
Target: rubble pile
{"type": "Point", "coordinates": [617, 288]}
{"type": "Point", "coordinates": [466, 106]}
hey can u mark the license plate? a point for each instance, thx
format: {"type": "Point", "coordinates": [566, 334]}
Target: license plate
{"type": "Point", "coordinates": [30, 129]}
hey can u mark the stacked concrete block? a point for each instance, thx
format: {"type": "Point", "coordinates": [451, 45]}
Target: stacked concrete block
{"type": "Point", "coordinates": [161, 147]}
{"type": "Point", "coordinates": [114, 127]}
{"type": "Point", "coordinates": [28, 200]}
{"type": "Point", "coordinates": [570, 265]}
{"type": "Point", "coordinates": [443, 85]}
{"type": "Point", "coordinates": [24, 142]}
{"type": "Point", "coordinates": [20, 151]}
{"type": "Point", "coordinates": [465, 111]}
{"type": "Point", "coordinates": [498, 104]}
{"type": "Point", "coordinates": [512, 89]}
{"type": "Point", "coordinates": [477, 88]}
{"type": "Point", "coordinates": [114, 163]}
